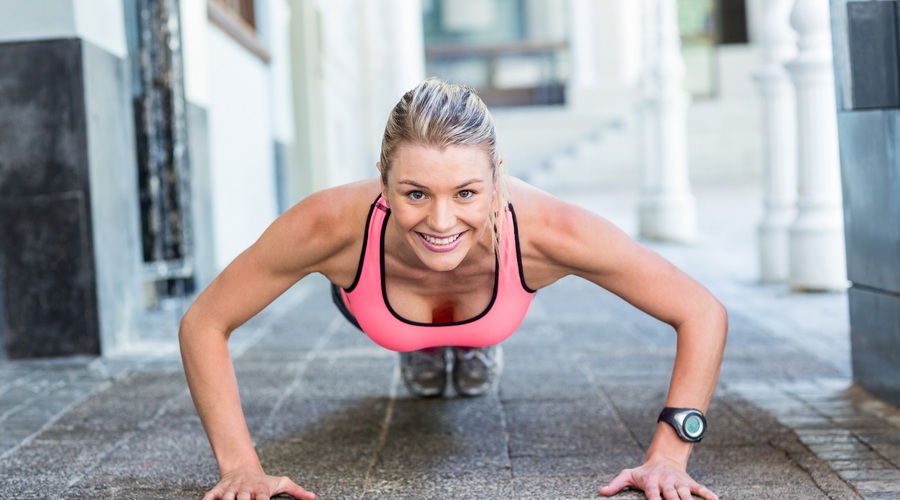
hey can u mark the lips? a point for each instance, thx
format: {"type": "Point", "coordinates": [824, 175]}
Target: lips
{"type": "Point", "coordinates": [440, 243]}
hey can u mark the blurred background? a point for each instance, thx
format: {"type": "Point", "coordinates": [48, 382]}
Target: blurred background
{"type": "Point", "coordinates": [145, 143]}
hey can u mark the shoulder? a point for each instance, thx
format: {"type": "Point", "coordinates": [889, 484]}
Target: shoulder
{"type": "Point", "coordinates": [345, 203]}
{"type": "Point", "coordinates": [323, 232]}
{"type": "Point", "coordinates": [559, 238]}
{"type": "Point", "coordinates": [542, 213]}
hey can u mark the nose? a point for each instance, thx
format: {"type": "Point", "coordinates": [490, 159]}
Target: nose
{"type": "Point", "coordinates": [442, 218]}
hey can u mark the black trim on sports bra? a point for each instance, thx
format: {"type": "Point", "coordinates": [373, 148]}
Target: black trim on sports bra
{"type": "Point", "coordinates": [362, 255]}
{"type": "Point", "coordinates": [387, 303]}
{"type": "Point", "coordinates": [519, 250]}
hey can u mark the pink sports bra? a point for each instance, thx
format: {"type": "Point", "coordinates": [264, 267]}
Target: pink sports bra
{"type": "Point", "coordinates": [367, 298]}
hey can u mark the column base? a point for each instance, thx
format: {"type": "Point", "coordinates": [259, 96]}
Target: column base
{"type": "Point", "coordinates": [668, 217]}
{"type": "Point", "coordinates": [818, 257]}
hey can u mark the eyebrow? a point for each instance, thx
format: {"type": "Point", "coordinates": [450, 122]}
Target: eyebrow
{"type": "Point", "coordinates": [422, 186]}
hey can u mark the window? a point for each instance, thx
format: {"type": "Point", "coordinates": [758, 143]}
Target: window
{"type": "Point", "coordinates": [238, 19]}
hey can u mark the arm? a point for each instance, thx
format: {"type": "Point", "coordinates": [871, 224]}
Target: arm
{"type": "Point", "coordinates": [295, 245]}
{"type": "Point", "coordinates": [560, 239]}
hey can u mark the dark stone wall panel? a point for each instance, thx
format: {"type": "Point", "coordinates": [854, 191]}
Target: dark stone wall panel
{"type": "Point", "coordinates": [875, 336]}
{"type": "Point", "coordinates": [50, 301]}
{"type": "Point", "coordinates": [42, 118]}
{"type": "Point", "coordinates": [870, 173]}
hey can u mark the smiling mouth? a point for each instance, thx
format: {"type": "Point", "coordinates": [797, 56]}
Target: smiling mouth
{"type": "Point", "coordinates": [440, 241]}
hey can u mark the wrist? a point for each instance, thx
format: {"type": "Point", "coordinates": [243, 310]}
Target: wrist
{"type": "Point", "coordinates": [246, 462]}
{"type": "Point", "coordinates": [668, 446]}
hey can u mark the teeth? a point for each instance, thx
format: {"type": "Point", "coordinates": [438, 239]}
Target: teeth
{"type": "Point", "coordinates": [439, 241]}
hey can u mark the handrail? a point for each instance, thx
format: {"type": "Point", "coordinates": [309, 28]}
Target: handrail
{"type": "Point", "coordinates": [457, 51]}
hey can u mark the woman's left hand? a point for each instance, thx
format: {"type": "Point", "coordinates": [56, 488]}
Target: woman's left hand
{"type": "Point", "coordinates": [659, 480]}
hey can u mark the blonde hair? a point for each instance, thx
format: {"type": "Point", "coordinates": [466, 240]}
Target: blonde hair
{"type": "Point", "coordinates": [440, 114]}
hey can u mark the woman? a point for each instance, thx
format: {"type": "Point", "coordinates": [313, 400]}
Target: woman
{"type": "Point", "coordinates": [438, 258]}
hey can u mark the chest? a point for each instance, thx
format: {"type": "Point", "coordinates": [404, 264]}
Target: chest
{"type": "Point", "coordinates": [439, 297]}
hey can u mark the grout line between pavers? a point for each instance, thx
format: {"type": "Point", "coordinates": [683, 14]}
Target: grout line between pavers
{"type": "Point", "coordinates": [381, 440]}
{"type": "Point", "coordinates": [504, 422]}
{"type": "Point", "coordinates": [260, 330]}
{"type": "Point", "coordinates": [306, 361]}
{"type": "Point", "coordinates": [595, 384]}
{"type": "Point", "coordinates": [163, 409]}
{"type": "Point", "coordinates": [55, 418]}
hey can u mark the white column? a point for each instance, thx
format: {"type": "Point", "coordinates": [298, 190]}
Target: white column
{"type": "Point", "coordinates": [666, 210]}
{"type": "Point", "coordinates": [778, 42]}
{"type": "Point", "coordinates": [406, 47]}
{"type": "Point", "coordinates": [582, 46]}
{"type": "Point", "coordinates": [604, 46]}
{"type": "Point", "coordinates": [817, 235]}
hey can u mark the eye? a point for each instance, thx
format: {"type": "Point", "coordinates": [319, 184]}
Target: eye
{"type": "Point", "coordinates": [466, 194]}
{"type": "Point", "coordinates": [416, 195]}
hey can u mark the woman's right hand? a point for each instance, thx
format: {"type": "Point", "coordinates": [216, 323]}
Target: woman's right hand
{"type": "Point", "coordinates": [255, 485]}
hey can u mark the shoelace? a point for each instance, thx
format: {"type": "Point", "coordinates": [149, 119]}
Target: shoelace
{"type": "Point", "coordinates": [427, 362]}
{"type": "Point", "coordinates": [480, 354]}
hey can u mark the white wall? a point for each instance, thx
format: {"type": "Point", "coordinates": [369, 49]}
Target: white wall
{"type": "Point", "coordinates": [276, 15]}
{"type": "Point", "coordinates": [346, 151]}
{"type": "Point", "coordinates": [101, 22]}
{"type": "Point", "coordinates": [240, 145]}
{"type": "Point", "coordinates": [194, 51]}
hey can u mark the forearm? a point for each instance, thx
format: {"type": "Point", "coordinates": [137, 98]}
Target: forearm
{"type": "Point", "coordinates": [701, 344]}
{"type": "Point", "coordinates": [214, 390]}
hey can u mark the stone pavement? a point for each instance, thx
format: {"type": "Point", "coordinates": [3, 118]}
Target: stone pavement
{"type": "Point", "coordinates": [585, 378]}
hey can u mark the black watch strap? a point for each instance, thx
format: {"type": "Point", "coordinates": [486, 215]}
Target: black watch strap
{"type": "Point", "coordinates": [689, 423]}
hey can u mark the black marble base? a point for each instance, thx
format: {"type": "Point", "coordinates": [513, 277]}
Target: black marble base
{"type": "Point", "coordinates": [46, 253]}
{"type": "Point", "coordinates": [50, 302]}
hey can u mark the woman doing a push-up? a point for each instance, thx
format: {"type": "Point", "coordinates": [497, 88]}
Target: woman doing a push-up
{"type": "Point", "coordinates": [438, 258]}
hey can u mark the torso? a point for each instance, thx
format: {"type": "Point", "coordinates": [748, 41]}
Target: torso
{"type": "Point", "coordinates": [403, 306]}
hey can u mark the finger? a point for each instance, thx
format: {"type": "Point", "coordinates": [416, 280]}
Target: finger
{"type": "Point", "coordinates": [703, 492]}
{"type": "Point", "coordinates": [620, 482]}
{"type": "Point", "coordinates": [653, 493]}
{"type": "Point", "coordinates": [669, 492]}
{"type": "Point", "coordinates": [285, 485]}
{"type": "Point", "coordinates": [213, 494]}
{"type": "Point", "coordinates": [684, 492]}
{"type": "Point", "coordinates": [261, 493]}
{"type": "Point", "coordinates": [244, 495]}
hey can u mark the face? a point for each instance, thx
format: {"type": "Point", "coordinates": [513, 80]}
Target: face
{"type": "Point", "coordinates": [441, 201]}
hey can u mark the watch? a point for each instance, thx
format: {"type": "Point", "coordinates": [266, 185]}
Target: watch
{"type": "Point", "coordinates": [689, 424]}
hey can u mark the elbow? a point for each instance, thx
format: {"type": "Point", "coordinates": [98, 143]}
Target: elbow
{"type": "Point", "coordinates": [718, 316]}
{"type": "Point", "coordinates": [184, 330]}
{"type": "Point", "coordinates": [187, 328]}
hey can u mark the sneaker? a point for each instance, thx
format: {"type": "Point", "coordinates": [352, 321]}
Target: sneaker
{"type": "Point", "coordinates": [476, 371]}
{"type": "Point", "coordinates": [424, 372]}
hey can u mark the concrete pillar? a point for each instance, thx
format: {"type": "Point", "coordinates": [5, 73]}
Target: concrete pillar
{"type": "Point", "coordinates": [817, 254]}
{"type": "Point", "coordinates": [582, 46]}
{"type": "Point", "coordinates": [778, 42]}
{"type": "Point", "coordinates": [70, 268]}
{"type": "Point", "coordinates": [605, 51]}
{"type": "Point", "coordinates": [666, 210]}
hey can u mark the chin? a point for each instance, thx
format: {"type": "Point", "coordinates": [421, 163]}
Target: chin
{"type": "Point", "coordinates": [442, 262]}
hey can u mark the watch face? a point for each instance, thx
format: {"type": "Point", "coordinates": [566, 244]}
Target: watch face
{"type": "Point", "coordinates": [693, 426]}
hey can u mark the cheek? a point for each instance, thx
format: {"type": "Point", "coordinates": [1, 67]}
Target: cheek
{"type": "Point", "coordinates": [405, 219]}
{"type": "Point", "coordinates": [479, 214]}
